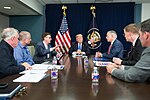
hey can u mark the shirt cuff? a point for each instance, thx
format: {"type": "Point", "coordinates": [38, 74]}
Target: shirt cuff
{"type": "Point", "coordinates": [51, 49]}
{"type": "Point", "coordinates": [122, 67]}
{"type": "Point", "coordinates": [113, 70]}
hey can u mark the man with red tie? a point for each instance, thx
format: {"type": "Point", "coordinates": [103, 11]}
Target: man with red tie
{"type": "Point", "coordinates": [115, 49]}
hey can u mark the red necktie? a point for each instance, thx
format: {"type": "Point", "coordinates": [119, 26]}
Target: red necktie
{"type": "Point", "coordinates": [109, 48]}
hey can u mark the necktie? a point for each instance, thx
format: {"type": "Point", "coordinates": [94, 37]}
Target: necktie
{"type": "Point", "coordinates": [109, 48]}
{"type": "Point", "coordinates": [80, 47]}
{"type": "Point", "coordinates": [129, 53]}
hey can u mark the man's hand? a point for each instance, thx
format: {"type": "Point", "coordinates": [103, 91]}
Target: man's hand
{"type": "Point", "coordinates": [98, 55]}
{"type": "Point", "coordinates": [26, 65]}
{"type": "Point", "coordinates": [117, 60]}
{"type": "Point", "coordinates": [79, 52]}
{"type": "Point", "coordinates": [110, 67]}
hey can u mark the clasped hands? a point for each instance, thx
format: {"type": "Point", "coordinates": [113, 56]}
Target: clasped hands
{"type": "Point", "coordinates": [116, 64]}
{"type": "Point", "coordinates": [98, 55]}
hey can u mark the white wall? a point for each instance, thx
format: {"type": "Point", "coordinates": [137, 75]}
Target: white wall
{"type": "Point", "coordinates": [145, 11]}
{"type": "Point", "coordinates": [4, 22]}
{"type": "Point", "coordinates": [34, 5]}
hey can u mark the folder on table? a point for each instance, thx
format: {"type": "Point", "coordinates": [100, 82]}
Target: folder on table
{"type": "Point", "coordinates": [9, 91]}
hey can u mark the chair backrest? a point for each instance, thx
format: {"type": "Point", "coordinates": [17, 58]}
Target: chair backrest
{"type": "Point", "coordinates": [32, 50]}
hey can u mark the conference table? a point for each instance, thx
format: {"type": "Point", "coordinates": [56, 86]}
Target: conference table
{"type": "Point", "coordinates": [74, 83]}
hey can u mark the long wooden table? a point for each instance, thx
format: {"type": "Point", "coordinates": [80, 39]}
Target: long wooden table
{"type": "Point", "coordinates": [74, 83]}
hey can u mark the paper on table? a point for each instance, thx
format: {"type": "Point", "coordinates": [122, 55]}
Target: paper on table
{"type": "Point", "coordinates": [33, 71]}
{"type": "Point", "coordinates": [60, 67]}
{"type": "Point", "coordinates": [40, 66]}
{"type": "Point", "coordinates": [78, 55]}
{"type": "Point", "coordinates": [30, 78]}
{"type": "Point", "coordinates": [46, 66]}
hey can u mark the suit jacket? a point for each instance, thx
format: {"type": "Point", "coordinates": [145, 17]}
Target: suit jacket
{"type": "Point", "coordinates": [140, 72]}
{"type": "Point", "coordinates": [8, 65]}
{"type": "Point", "coordinates": [41, 53]}
{"type": "Point", "coordinates": [134, 54]}
{"type": "Point", "coordinates": [74, 47]}
{"type": "Point", "coordinates": [115, 51]}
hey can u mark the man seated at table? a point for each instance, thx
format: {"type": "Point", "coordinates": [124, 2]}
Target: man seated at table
{"type": "Point", "coordinates": [115, 49]}
{"type": "Point", "coordinates": [79, 47]}
{"type": "Point", "coordinates": [140, 72]}
{"type": "Point", "coordinates": [8, 65]}
{"type": "Point", "coordinates": [131, 33]}
{"type": "Point", "coordinates": [21, 52]}
{"type": "Point", "coordinates": [44, 51]}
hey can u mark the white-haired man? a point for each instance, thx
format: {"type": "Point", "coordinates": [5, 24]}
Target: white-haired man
{"type": "Point", "coordinates": [115, 49]}
{"type": "Point", "coordinates": [8, 65]}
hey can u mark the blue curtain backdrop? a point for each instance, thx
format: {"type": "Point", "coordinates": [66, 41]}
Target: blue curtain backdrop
{"type": "Point", "coordinates": [109, 16]}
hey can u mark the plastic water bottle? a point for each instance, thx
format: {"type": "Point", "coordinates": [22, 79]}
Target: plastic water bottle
{"type": "Point", "coordinates": [95, 75]}
{"type": "Point", "coordinates": [54, 62]}
{"type": "Point", "coordinates": [54, 72]}
{"type": "Point", "coordinates": [86, 61]}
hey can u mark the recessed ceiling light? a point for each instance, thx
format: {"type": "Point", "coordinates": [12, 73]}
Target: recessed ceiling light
{"type": "Point", "coordinates": [7, 7]}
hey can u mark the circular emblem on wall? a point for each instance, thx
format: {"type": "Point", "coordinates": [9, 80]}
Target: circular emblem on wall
{"type": "Point", "coordinates": [94, 38]}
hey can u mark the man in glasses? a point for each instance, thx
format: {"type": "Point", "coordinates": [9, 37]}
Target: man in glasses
{"type": "Point", "coordinates": [131, 33]}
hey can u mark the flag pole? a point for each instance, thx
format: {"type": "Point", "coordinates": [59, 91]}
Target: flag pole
{"type": "Point", "coordinates": [93, 13]}
{"type": "Point", "coordinates": [92, 8]}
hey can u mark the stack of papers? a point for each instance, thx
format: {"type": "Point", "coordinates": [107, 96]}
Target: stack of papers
{"type": "Point", "coordinates": [30, 78]}
{"type": "Point", "coordinates": [46, 66]}
{"type": "Point", "coordinates": [75, 54]}
{"type": "Point", "coordinates": [33, 71]}
{"type": "Point", "coordinates": [37, 73]}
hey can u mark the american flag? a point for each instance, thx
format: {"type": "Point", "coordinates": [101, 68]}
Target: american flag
{"type": "Point", "coordinates": [63, 38]}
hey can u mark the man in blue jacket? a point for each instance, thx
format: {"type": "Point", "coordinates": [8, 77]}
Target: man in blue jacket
{"type": "Point", "coordinates": [115, 49]}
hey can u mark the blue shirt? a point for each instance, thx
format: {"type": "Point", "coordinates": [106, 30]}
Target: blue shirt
{"type": "Point", "coordinates": [22, 54]}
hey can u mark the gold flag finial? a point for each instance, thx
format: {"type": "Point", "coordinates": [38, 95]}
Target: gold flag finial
{"type": "Point", "coordinates": [64, 8]}
{"type": "Point", "coordinates": [93, 8]}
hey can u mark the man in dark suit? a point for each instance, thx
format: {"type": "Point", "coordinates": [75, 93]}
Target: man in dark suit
{"type": "Point", "coordinates": [115, 49]}
{"type": "Point", "coordinates": [79, 47]}
{"type": "Point", "coordinates": [8, 65]}
{"type": "Point", "coordinates": [44, 51]}
{"type": "Point", "coordinates": [140, 72]}
{"type": "Point", "coordinates": [131, 33]}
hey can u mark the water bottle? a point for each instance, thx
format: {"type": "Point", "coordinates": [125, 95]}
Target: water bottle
{"type": "Point", "coordinates": [95, 75]}
{"type": "Point", "coordinates": [54, 72]}
{"type": "Point", "coordinates": [54, 62]}
{"type": "Point", "coordinates": [86, 62]}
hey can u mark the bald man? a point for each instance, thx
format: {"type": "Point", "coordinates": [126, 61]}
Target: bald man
{"type": "Point", "coordinates": [21, 52]}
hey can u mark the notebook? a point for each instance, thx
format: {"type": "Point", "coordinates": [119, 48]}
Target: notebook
{"type": "Point", "coordinates": [9, 91]}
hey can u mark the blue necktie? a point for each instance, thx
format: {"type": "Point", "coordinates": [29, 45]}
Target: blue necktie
{"type": "Point", "coordinates": [80, 47]}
